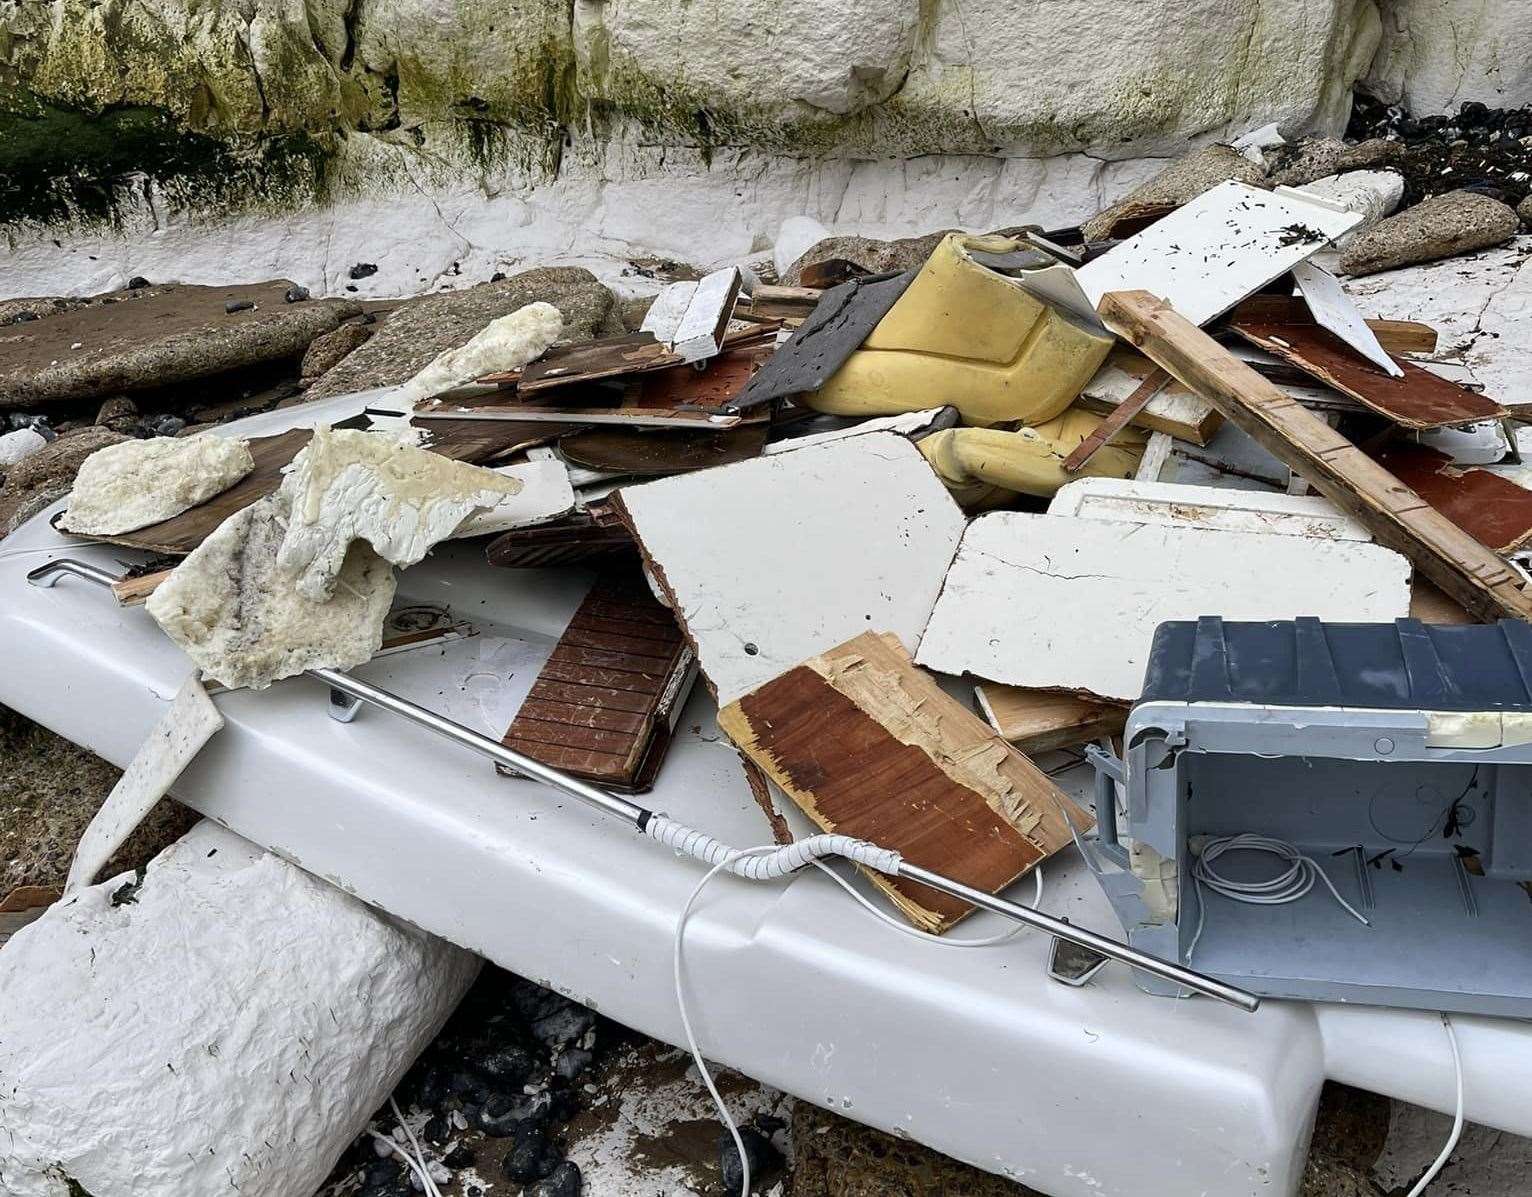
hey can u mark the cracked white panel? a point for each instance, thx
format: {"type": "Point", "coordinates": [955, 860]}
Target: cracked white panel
{"type": "Point", "coordinates": [137, 483]}
{"type": "Point", "coordinates": [237, 615]}
{"type": "Point", "coordinates": [546, 494]}
{"type": "Point", "coordinates": [1216, 507]}
{"type": "Point", "coordinates": [348, 485]}
{"type": "Point", "coordinates": [774, 560]}
{"type": "Point", "coordinates": [1065, 603]}
{"type": "Point", "coordinates": [1481, 306]}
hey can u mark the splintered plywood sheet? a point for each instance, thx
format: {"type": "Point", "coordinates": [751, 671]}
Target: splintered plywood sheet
{"type": "Point", "coordinates": [1493, 510]}
{"type": "Point", "coordinates": [1416, 399]}
{"type": "Point", "coordinates": [1206, 507]}
{"type": "Point", "coordinates": [869, 746]}
{"type": "Point", "coordinates": [1040, 720]}
{"type": "Point", "coordinates": [771, 561]}
{"type": "Point", "coordinates": [1064, 603]}
{"type": "Point", "coordinates": [1211, 253]}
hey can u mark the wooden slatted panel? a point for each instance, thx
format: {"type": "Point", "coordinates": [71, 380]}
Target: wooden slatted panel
{"type": "Point", "coordinates": [600, 707]}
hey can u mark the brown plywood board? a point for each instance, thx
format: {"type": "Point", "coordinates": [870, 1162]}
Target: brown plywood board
{"type": "Point", "coordinates": [1419, 399]}
{"type": "Point", "coordinates": [1040, 720]}
{"type": "Point", "coordinates": [868, 745]}
{"type": "Point", "coordinates": [1398, 517]}
{"type": "Point", "coordinates": [1493, 510]}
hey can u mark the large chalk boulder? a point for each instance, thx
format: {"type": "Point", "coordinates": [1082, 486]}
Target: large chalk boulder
{"type": "Point", "coordinates": [1437, 54]}
{"type": "Point", "coordinates": [226, 1026]}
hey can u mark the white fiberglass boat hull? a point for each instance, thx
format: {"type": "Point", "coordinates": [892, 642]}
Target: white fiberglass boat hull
{"type": "Point", "coordinates": [1093, 1090]}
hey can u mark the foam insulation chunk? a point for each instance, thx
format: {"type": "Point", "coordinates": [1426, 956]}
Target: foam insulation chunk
{"type": "Point", "coordinates": [238, 616]}
{"type": "Point", "coordinates": [133, 484]}
{"type": "Point", "coordinates": [508, 343]}
{"type": "Point", "coordinates": [348, 485]}
{"type": "Point", "coordinates": [230, 1030]}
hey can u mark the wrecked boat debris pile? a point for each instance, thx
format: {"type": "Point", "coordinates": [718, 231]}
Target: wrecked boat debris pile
{"type": "Point", "coordinates": [1156, 585]}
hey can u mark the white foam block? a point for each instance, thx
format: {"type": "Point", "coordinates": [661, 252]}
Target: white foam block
{"type": "Point", "coordinates": [1060, 602]}
{"type": "Point", "coordinates": [768, 562]}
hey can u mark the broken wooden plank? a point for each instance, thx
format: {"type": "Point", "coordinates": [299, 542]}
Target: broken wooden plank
{"type": "Point", "coordinates": [592, 360]}
{"type": "Point", "coordinates": [593, 535]}
{"type": "Point", "coordinates": [605, 704]}
{"type": "Point", "coordinates": [1066, 603]}
{"type": "Point", "coordinates": [1396, 515]}
{"type": "Point", "coordinates": [1396, 336]}
{"type": "Point", "coordinates": [1417, 399]}
{"type": "Point", "coordinates": [869, 746]}
{"type": "Point", "coordinates": [1220, 507]}
{"type": "Point", "coordinates": [1173, 408]}
{"type": "Point", "coordinates": [631, 451]}
{"type": "Point", "coordinates": [135, 591]}
{"type": "Point", "coordinates": [1216, 250]}
{"type": "Point", "coordinates": [1116, 421]}
{"type": "Point", "coordinates": [1490, 508]}
{"type": "Point", "coordinates": [1332, 309]}
{"type": "Point", "coordinates": [783, 303]}
{"type": "Point", "coordinates": [1034, 721]}
{"type": "Point", "coordinates": [628, 417]}
{"type": "Point", "coordinates": [770, 561]}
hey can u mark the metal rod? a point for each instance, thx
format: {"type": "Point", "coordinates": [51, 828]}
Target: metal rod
{"type": "Point", "coordinates": [637, 816]}
{"type": "Point", "coordinates": [1086, 939]}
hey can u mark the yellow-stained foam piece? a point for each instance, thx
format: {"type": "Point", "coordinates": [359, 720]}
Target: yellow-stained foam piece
{"type": "Point", "coordinates": [986, 465]}
{"type": "Point", "coordinates": [966, 335]}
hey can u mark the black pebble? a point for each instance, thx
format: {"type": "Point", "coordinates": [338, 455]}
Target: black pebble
{"type": "Point", "coordinates": [508, 1065]}
{"type": "Point", "coordinates": [24, 317]}
{"type": "Point", "coordinates": [137, 283]}
{"type": "Point", "coordinates": [459, 1157]}
{"type": "Point", "coordinates": [436, 1129]}
{"type": "Point", "coordinates": [238, 305]}
{"type": "Point", "coordinates": [363, 270]}
{"type": "Point", "coordinates": [296, 294]}
{"type": "Point", "coordinates": [531, 1157]}
{"type": "Point", "coordinates": [758, 1150]}
{"type": "Point", "coordinates": [573, 1062]}
{"type": "Point", "coordinates": [497, 277]}
{"type": "Point", "coordinates": [162, 424]}
{"type": "Point", "coordinates": [501, 1116]}
{"type": "Point", "coordinates": [563, 1181]}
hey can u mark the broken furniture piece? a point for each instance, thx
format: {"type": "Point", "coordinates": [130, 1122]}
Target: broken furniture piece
{"type": "Point", "coordinates": [690, 318]}
{"type": "Point", "coordinates": [1397, 757]}
{"type": "Point", "coordinates": [1034, 721]}
{"type": "Point", "coordinates": [1399, 518]}
{"type": "Point", "coordinates": [988, 465]}
{"type": "Point", "coordinates": [869, 746]}
{"type": "Point", "coordinates": [1091, 592]}
{"type": "Point", "coordinates": [605, 704]}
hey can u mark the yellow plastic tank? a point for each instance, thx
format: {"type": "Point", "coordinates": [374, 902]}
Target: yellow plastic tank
{"type": "Point", "coordinates": [969, 336]}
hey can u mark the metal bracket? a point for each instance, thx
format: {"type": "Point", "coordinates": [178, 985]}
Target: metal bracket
{"type": "Point", "coordinates": [1073, 964]}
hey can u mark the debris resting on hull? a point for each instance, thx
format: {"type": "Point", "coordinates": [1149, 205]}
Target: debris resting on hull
{"type": "Point", "coordinates": [137, 483]}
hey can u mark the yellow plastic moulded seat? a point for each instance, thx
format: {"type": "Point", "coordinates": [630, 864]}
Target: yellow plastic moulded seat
{"type": "Point", "coordinates": [966, 335]}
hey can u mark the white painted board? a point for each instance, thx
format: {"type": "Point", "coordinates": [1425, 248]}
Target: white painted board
{"type": "Point", "coordinates": [173, 743]}
{"type": "Point", "coordinates": [913, 425]}
{"type": "Point", "coordinates": [664, 314]}
{"type": "Point", "coordinates": [1064, 603]}
{"type": "Point", "coordinates": [1112, 384]}
{"type": "Point", "coordinates": [770, 561]}
{"type": "Point", "coordinates": [699, 335]}
{"type": "Point", "coordinates": [1218, 249]}
{"type": "Point", "coordinates": [1332, 308]}
{"type": "Point", "coordinates": [1205, 507]}
{"type": "Point", "coordinates": [546, 494]}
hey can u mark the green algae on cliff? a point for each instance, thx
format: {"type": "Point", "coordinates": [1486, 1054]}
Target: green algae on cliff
{"type": "Point", "coordinates": [62, 164]}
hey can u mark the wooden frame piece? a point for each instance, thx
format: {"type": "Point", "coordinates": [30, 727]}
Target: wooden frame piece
{"type": "Point", "coordinates": [1398, 517]}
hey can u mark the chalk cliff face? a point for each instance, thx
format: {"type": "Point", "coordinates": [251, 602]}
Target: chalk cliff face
{"type": "Point", "coordinates": [439, 137]}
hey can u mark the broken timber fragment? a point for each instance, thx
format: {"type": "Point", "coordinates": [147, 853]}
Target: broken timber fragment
{"type": "Point", "coordinates": [1116, 420]}
{"type": "Point", "coordinates": [1396, 515]}
{"type": "Point", "coordinates": [605, 704]}
{"type": "Point", "coordinates": [690, 318]}
{"type": "Point", "coordinates": [1492, 509]}
{"type": "Point", "coordinates": [1036, 721]}
{"type": "Point", "coordinates": [1173, 408]}
{"type": "Point", "coordinates": [1416, 399]}
{"type": "Point", "coordinates": [869, 746]}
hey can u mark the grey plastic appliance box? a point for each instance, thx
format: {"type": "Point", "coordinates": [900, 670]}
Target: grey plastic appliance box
{"type": "Point", "coordinates": [1397, 756]}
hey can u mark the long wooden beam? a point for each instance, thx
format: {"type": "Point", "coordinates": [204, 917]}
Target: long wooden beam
{"type": "Point", "coordinates": [1395, 514]}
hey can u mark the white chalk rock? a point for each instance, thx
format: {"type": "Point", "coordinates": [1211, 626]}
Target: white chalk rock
{"type": "Point", "coordinates": [137, 483]}
{"type": "Point", "coordinates": [508, 343]}
{"type": "Point", "coordinates": [1373, 193]}
{"type": "Point", "coordinates": [237, 614]}
{"type": "Point", "coordinates": [229, 1030]}
{"type": "Point", "coordinates": [22, 443]}
{"type": "Point", "coordinates": [1435, 54]}
{"type": "Point", "coordinates": [796, 237]}
{"type": "Point", "coordinates": [348, 485]}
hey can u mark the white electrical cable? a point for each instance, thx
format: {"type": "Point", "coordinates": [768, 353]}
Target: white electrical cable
{"type": "Point", "coordinates": [1457, 1118]}
{"type": "Point", "coordinates": [427, 1185]}
{"type": "Point", "coordinates": [768, 862]}
{"type": "Point", "coordinates": [420, 1154]}
{"type": "Point", "coordinates": [1287, 886]}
